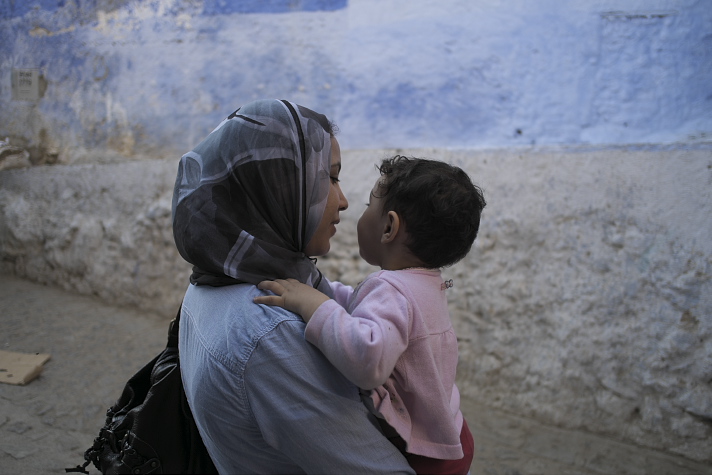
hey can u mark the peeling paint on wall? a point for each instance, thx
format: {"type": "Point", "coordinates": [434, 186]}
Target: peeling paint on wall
{"type": "Point", "coordinates": [226, 7]}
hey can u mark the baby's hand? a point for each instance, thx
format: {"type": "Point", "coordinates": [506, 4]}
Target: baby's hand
{"type": "Point", "coordinates": [292, 295]}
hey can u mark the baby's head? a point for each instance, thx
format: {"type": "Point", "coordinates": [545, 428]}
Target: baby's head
{"type": "Point", "coordinates": [438, 203]}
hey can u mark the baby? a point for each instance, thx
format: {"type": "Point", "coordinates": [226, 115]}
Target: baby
{"type": "Point", "coordinates": [392, 335]}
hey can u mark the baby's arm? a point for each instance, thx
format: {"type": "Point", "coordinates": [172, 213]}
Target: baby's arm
{"type": "Point", "coordinates": [292, 295]}
{"type": "Point", "coordinates": [365, 345]}
{"type": "Point", "coordinates": [342, 293]}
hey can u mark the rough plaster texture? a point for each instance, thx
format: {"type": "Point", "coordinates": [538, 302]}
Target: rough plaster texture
{"type": "Point", "coordinates": [586, 302]}
{"type": "Point", "coordinates": [149, 79]}
{"type": "Point", "coordinates": [96, 229]}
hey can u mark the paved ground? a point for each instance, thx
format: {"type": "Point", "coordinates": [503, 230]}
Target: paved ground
{"type": "Point", "coordinates": [46, 425]}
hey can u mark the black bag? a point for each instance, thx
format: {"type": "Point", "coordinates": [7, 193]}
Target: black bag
{"type": "Point", "coordinates": [151, 429]}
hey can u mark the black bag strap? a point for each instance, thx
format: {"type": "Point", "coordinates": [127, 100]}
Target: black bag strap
{"type": "Point", "coordinates": [173, 330]}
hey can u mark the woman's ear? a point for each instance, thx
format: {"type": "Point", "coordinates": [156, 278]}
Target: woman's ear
{"type": "Point", "coordinates": [391, 228]}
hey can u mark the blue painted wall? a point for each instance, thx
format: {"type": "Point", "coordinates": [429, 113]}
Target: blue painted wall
{"type": "Point", "coordinates": [226, 7]}
{"type": "Point", "coordinates": [153, 77]}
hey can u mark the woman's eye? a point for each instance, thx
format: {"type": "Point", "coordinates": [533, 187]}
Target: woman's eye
{"type": "Point", "coordinates": [335, 179]}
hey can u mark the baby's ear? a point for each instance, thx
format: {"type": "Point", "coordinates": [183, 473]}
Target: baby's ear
{"type": "Point", "coordinates": [391, 227]}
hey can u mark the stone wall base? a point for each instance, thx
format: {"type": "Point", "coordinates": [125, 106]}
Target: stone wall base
{"type": "Point", "coordinates": [585, 303]}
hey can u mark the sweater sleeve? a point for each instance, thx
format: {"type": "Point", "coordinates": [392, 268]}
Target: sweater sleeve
{"type": "Point", "coordinates": [365, 345]}
{"type": "Point", "coordinates": [342, 293]}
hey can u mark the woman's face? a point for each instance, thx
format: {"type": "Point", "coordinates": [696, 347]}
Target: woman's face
{"type": "Point", "coordinates": [336, 202]}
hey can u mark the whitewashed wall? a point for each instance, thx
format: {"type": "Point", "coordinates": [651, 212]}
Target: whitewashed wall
{"type": "Point", "coordinates": [586, 302]}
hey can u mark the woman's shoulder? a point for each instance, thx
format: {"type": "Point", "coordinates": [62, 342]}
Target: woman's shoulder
{"type": "Point", "coordinates": [231, 324]}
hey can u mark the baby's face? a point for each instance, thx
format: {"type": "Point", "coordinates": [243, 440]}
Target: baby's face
{"type": "Point", "coordinates": [370, 227]}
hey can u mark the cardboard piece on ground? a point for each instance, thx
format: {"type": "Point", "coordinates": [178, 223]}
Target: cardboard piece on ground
{"type": "Point", "coordinates": [21, 368]}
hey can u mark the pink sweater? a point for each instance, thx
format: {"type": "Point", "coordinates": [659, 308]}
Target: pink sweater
{"type": "Point", "coordinates": [393, 334]}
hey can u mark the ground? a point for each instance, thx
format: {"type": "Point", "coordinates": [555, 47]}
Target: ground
{"type": "Point", "coordinates": [46, 425]}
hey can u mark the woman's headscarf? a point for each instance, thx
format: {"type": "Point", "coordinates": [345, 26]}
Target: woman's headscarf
{"type": "Point", "coordinates": [249, 197]}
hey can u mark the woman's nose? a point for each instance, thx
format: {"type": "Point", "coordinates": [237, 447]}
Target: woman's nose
{"type": "Point", "coordinates": [343, 202]}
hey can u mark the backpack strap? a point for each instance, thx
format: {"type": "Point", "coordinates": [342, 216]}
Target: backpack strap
{"type": "Point", "coordinates": [173, 330]}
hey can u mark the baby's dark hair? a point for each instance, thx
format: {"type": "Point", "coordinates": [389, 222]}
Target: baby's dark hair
{"type": "Point", "coordinates": [439, 204]}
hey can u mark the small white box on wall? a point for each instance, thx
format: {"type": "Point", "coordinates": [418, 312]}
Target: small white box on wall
{"type": "Point", "coordinates": [25, 84]}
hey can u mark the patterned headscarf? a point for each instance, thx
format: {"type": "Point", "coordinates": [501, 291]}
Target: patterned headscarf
{"type": "Point", "coordinates": [249, 197]}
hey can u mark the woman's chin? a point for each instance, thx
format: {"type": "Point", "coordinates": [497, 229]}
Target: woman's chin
{"type": "Point", "coordinates": [320, 251]}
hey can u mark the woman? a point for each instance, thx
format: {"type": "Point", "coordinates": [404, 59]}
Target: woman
{"type": "Point", "coordinates": [254, 201]}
